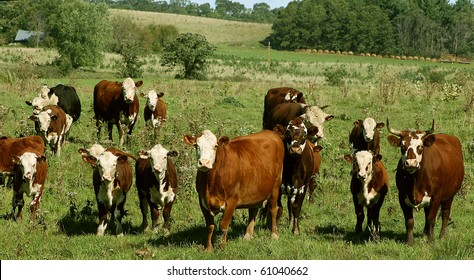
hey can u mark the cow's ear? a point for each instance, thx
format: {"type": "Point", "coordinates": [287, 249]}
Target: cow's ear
{"type": "Point", "coordinates": [312, 131]}
{"type": "Point", "coordinates": [280, 130]}
{"type": "Point", "coordinates": [41, 158]}
{"type": "Point", "coordinates": [223, 140]}
{"type": "Point", "coordinates": [161, 94]}
{"type": "Point", "coordinates": [429, 140]}
{"type": "Point", "coordinates": [122, 158]}
{"type": "Point", "coordinates": [357, 122]}
{"type": "Point", "coordinates": [317, 149]}
{"type": "Point", "coordinates": [172, 153]}
{"type": "Point", "coordinates": [142, 94]}
{"type": "Point", "coordinates": [380, 125]}
{"type": "Point", "coordinates": [349, 158]}
{"type": "Point", "coordinates": [376, 158]}
{"type": "Point", "coordinates": [394, 140]}
{"type": "Point", "coordinates": [139, 83]}
{"type": "Point", "coordinates": [33, 117]}
{"type": "Point", "coordinates": [15, 159]}
{"type": "Point", "coordinates": [144, 154]}
{"type": "Point", "coordinates": [188, 139]}
{"type": "Point", "coordinates": [83, 152]}
{"type": "Point", "coordinates": [29, 103]}
{"type": "Point", "coordinates": [329, 117]}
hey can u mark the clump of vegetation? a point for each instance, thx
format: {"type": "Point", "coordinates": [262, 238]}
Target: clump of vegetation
{"type": "Point", "coordinates": [335, 75]}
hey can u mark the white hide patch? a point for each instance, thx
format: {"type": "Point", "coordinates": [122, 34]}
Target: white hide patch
{"type": "Point", "coordinates": [151, 100]}
{"type": "Point", "coordinates": [425, 202]}
{"type": "Point", "coordinates": [128, 90]}
{"type": "Point", "coordinates": [206, 150]}
{"type": "Point", "coordinates": [363, 159]}
{"type": "Point", "coordinates": [315, 116]}
{"type": "Point", "coordinates": [159, 162]}
{"type": "Point", "coordinates": [369, 126]}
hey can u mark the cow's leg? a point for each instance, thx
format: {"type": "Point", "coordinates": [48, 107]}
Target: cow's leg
{"type": "Point", "coordinates": [121, 132]}
{"type": "Point", "coordinates": [374, 217]}
{"type": "Point", "coordinates": [167, 218]}
{"type": "Point", "coordinates": [251, 224]}
{"type": "Point", "coordinates": [445, 215]}
{"type": "Point", "coordinates": [408, 214]}
{"type": "Point", "coordinates": [17, 201]}
{"type": "Point", "coordinates": [311, 187]}
{"type": "Point", "coordinates": [34, 205]}
{"type": "Point", "coordinates": [98, 125]}
{"type": "Point", "coordinates": [430, 219]}
{"type": "Point", "coordinates": [299, 199]}
{"type": "Point", "coordinates": [289, 206]}
{"type": "Point", "coordinates": [109, 130]}
{"type": "Point", "coordinates": [226, 218]}
{"type": "Point", "coordinates": [359, 211]}
{"type": "Point", "coordinates": [118, 214]}
{"type": "Point", "coordinates": [144, 209]}
{"type": "Point", "coordinates": [155, 216]}
{"type": "Point", "coordinates": [275, 209]}
{"type": "Point", "coordinates": [102, 219]}
{"type": "Point", "coordinates": [209, 226]}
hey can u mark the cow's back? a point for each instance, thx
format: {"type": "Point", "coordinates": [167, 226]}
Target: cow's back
{"type": "Point", "coordinates": [108, 101]}
{"type": "Point", "coordinates": [10, 147]}
{"type": "Point", "coordinates": [282, 114]}
{"type": "Point", "coordinates": [68, 100]}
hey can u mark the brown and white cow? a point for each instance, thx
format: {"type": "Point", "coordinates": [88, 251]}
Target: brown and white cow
{"type": "Point", "coordinates": [317, 164]}
{"type": "Point", "coordinates": [298, 168]}
{"type": "Point", "coordinates": [369, 185]}
{"type": "Point", "coordinates": [244, 172]}
{"type": "Point", "coordinates": [313, 116]}
{"type": "Point", "coordinates": [30, 170]}
{"type": "Point", "coordinates": [11, 147]}
{"type": "Point", "coordinates": [429, 173]}
{"type": "Point", "coordinates": [116, 103]}
{"type": "Point", "coordinates": [280, 95]}
{"type": "Point", "coordinates": [157, 184]}
{"type": "Point", "coordinates": [155, 110]}
{"type": "Point", "coordinates": [53, 126]}
{"type": "Point", "coordinates": [365, 135]}
{"type": "Point", "coordinates": [112, 179]}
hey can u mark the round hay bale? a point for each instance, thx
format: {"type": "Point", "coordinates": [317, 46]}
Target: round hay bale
{"type": "Point", "coordinates": [350, 53]}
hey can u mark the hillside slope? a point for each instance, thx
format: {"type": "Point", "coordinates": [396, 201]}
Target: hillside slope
{"type": "Point", "coordinates": [217, 31]}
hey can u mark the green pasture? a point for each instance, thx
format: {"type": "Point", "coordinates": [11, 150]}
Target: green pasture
{"type": "Point", "coordinates": [230, 102]}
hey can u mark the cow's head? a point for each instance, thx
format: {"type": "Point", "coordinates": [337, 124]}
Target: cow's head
{"type": "Point", "coordinates": [129, 89]}
{"type": "Point", "coordinates": [91, 155]}
{"type": "Point", "coordinates": [44, 118]}
{"type": "Point", "coordinates": [107, 165]}
{"type": "Point", "coordinates": [44, 92]}
{"type": "Point", "coordinates": [362, 163]}
{"type": "Point", "coordinates": [294, 136]}
{"type": "Point", "coordinates": [45, 98]}
{"type": "Point", "coordinates": [411, 143]}
{"type": "Point", "coordinates": [27, 163]}
{"type": "Point", "coordinates": [159, 158]}
{"type": "Point", "coordinates": [368, 125]}
{"type": "Point", "coordinates": [314, 116]}
{"type": "Point", "coordinates": [206, 146]}
{"type": "Point", "coordinates": [152, 99]}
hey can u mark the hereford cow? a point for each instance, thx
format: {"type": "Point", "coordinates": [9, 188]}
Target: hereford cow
{"type": "Point", "coordinates": [112, 179]}
{"type": "Point", "coordinates": [13, 147]}
{"type": "Point", "coordinates": [155, 110]}
{"type": "Point", "coordinates": [369, 185]}
{"type": "Point", "coordinates": [317, 163]}
{"type": "Point", "coordinates": [280, 95]}
{"type": "Point", "coordinates": [365, 135]}
{"type": "Point", "coordinates": [313, 117]}
{"type": "Point", "coordinates": [244, 172]}
{"type": "Point", "coordinates": [157, 185]}
{"type": "Point", "coordinates": [53, 125]}
{"type": "Point", "coordinates": [429, 174]}
{"type": "Point", "coordinates": [63, 96]}
{"type": "Point", "coordinates": [298, 168]}
{"type": "Point", "coordinates": [116, 102]}
{"type": "Point", "coordinates": [30, 170]}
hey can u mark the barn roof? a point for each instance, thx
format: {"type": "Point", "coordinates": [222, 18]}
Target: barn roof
{"type": "Point", "coordinates": [25, 35]}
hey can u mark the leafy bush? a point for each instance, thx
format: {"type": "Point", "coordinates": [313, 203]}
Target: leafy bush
{"type": "Point", "coordinates": [335, 75]}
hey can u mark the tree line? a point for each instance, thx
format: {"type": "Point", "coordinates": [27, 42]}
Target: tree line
{"type": "Point", "coordinates": [397, 27]}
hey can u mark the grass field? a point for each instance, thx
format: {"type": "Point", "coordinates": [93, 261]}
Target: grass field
{"type": "Point", "coordinates": [230, 102]}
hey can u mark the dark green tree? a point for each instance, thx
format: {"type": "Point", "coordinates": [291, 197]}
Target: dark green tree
{"type": "Point", "coordinates": [189, 53]}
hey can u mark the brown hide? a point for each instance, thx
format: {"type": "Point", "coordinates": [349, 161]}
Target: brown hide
{"type": "Point", "coordinates": [277, 96]}
{"type": "Point", "coordinates": [317, 165]}
{"type": "Point", "coordinates": [158, 113]}
{"type": "Point", "coordinates": [57, 125]}
{"type": "Point", "coordinates": [10, 147]}
{"type": "Point", "coordinates": [357, 140]}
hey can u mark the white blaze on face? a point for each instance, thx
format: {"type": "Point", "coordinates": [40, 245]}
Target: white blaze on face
{"type": "Point", "coordinates": [107, 163]}
{"type": "Point", "coordinates": [363, 160]}
{"type": "Point", "coordinates": [44, 120]}
{"type": "Point", "coordinates": [315, 116]}
{"type": "Point", "coordinates": [414, 152]}
{"type": "Point", "coordinates": [159, 159]}
{"type": "Point", "coordinates": [44, 91]}
{"type": "Point", "coordinates": [27, 164]}
{"type": "Point", "coordinates": [128, 90]}
{"type": "Point", "coordinates": [206, 150]}
{"type": "Point", "coordinates": [298, 137]}
{"type": "Point", "coordinates": [368, 127]}
{"type": "Point", "coordinates": [151, 100]}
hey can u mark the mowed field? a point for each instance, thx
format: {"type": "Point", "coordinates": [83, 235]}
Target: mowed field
{"type": "Point", "coordinates": [410, 93]}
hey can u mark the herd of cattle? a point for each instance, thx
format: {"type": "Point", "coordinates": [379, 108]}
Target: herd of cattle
{"type": "Point", "coordinates": [253, 171]}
